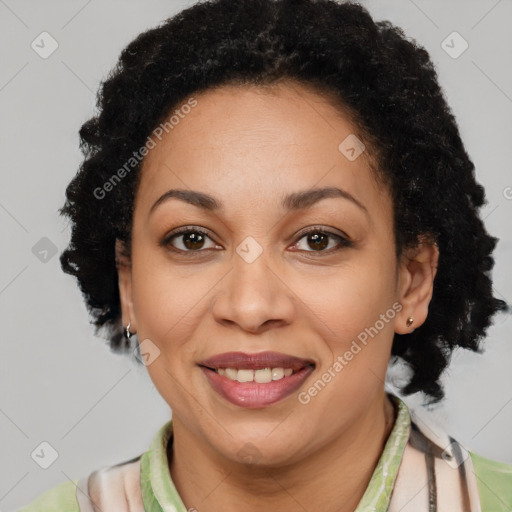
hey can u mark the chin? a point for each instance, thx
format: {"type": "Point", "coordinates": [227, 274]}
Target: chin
{"type": "Point", "coordinates": [262, 446]}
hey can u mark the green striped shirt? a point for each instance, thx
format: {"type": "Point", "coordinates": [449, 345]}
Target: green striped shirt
{"type": "Point", "coordinates": [160, 495]}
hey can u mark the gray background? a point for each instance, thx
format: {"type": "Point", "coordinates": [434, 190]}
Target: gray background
{"type": "Point", "coordinates": [62, 385]}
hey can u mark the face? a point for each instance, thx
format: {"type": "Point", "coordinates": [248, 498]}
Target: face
{"type": "Point", "coordinates": [266, 272]}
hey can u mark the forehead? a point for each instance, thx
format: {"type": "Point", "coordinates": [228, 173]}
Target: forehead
{"type": "Point", "coordinates": [251, 145]}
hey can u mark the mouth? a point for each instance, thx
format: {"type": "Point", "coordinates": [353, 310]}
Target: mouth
{"type": "Point", "coordinates": [260, 375]}
{"type": "Point", "coordinates": [256, 380]}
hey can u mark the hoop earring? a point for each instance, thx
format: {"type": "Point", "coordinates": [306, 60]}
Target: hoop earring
{"type": "Point", "coordinates": [410, 320]}
{"type": "Point", "coordinates": [127, 333]}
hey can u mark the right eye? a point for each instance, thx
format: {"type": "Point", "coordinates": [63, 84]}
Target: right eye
{"type": "Point", "coordinates": [192, 240]}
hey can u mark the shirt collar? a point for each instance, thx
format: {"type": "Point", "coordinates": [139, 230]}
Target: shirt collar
{"type": "Point", "coordinates": [378, 493]}
{"type": "Point", "coordinates": [160, 495]}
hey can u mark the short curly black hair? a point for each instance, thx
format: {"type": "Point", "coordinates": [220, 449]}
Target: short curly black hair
{"type": "Point", "coordinates": [386, 82]}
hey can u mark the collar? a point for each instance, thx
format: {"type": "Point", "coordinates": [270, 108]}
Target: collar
{"type": "Point", "coordinates": [160, 495]}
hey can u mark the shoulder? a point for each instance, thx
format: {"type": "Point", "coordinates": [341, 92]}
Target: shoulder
{"type": "Point", "coordinates": [494, 480]}
{"type": "Point", "coordinates": [107, 488]}
{"type": "Point", "coordinates": [61, 498]}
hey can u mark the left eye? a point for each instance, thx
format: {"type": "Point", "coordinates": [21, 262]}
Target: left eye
{"type": "Point", "coordinates": [319, 240]}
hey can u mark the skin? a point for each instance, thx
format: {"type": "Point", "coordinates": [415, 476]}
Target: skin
{"type": "Point", "coordinates": [249, 147]}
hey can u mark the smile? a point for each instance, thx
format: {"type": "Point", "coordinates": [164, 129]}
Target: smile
{"type": "Point", "coordinates": [256, 380]}
{"type": "Point", "coordinates": [263, 375]}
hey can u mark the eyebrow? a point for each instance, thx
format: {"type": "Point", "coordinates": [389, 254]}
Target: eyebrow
{"type": "Point", "coordinates": [292, 202]}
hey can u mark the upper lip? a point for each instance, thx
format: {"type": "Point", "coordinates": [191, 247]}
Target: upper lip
{"type": "Point", "coordinates": [256, 360]}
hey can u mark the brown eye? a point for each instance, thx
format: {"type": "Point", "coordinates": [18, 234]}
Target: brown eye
{"type": "Point", "coordinates": [193, 240]}
{"type": "Point", "coordinates": [188, 240]}
{"type": "Point", "coordinates": [318, 240]}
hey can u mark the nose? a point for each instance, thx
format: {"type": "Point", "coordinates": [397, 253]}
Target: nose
{"type": "Point", "coordinates": [253, 296]}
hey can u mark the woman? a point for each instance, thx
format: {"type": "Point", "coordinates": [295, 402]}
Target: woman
{"type": "Point", "coordinates": [276, 200]}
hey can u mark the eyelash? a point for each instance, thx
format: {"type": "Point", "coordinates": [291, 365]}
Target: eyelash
{"type": "Point", "coordinates": [342, 241]}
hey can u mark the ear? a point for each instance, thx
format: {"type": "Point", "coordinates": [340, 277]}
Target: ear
{"type": "Point", "coordinates": [417, 270]}
{"type": "Point", "coordinates": [124, 274]}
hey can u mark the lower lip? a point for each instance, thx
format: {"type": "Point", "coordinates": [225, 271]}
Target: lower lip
{"type": "Point", "coordinates": [253, 394]}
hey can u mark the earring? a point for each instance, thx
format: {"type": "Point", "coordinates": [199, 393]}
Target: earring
{"type": "Point", "coordinates": [410, 320]}
{"type": "Point", "coordinates": [127, 333]}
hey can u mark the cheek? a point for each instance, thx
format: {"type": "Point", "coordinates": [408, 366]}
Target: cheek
{"type": "Point", "coordinates": [356, 321]}
{"type": "Point", "coordinates": [353, 297]}
{"type": "Point", "coordinates": [355, 315]}
{"type": "Point", "coordinates": [159, 304]}
{"type": "Point", "coordinates": [167, 309]}
{"type": "Point", "coordinates": [169, 301]}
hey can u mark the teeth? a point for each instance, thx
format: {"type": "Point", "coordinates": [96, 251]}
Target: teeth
{"type": "Point", "coordinates": [262, 376]}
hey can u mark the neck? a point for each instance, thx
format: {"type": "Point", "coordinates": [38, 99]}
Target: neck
{"type": "Point", "coordinates": [333, 479]}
